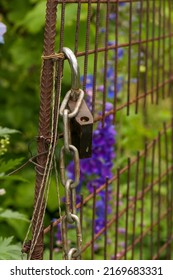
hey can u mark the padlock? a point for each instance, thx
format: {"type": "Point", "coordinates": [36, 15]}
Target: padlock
{"type": "Point", "coordinates": [81, 125]}
{"type": "Point", "coordinates": [81, 128]}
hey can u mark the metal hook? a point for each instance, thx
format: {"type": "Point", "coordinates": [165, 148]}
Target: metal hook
{"type": "Point", "coordinates": [75, 71]}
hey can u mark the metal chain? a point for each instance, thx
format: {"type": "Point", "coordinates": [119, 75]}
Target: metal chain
{"type": "Point", "coordinates": [70, 185]}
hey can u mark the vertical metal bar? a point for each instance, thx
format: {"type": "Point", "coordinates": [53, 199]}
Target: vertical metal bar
{"type": "Point", "coordinates": [139, 55]}
{"type": "Point", "coordinates": [93, 223]}
{"type": "Point", "coordinates": [168, 218]}
{"type": "Point", "coordinates": [77, 27]}
{"type": "Point", "coordinates": [129, 57]}
{"type": "Point", "coordinates": [135, 204]}
{"type": "Point", "coordinates": [170, 7]}
{"type": "Point", "coordinates": [117, 214]}
{"type": "Point", "coordinates": [142, 201]}
{"type": "Point", "coordinates": [59, 67]}
{"type": "Point", "coordinates": [159, 192]}
{"type": "Point", "coordinates": [81, 215]}
{"type": "Point", "coordinates": [153, 51]}
{"type": "Point", "coordinates": [127, 208]}
{"type": "Point", "coordinates": [164, 48]}
{"type": "Point", "coordinates": [105, 62]}
{"type": "Point", "coordinates": [59, 63]}
{"type": "Point", "coordinates": [106, 220]}
{"type": "Point", "coordinates": [152, 199]}
{"type": "Point", "coordinates": [81, 210]}
{"type": "Point", "coordinates": [158, 52]}
{"type": "Point", "coordinates": [116, 59]}
{"type": "Point", "coordinates": [87, 41]}
{"type": "Point", "coordinates": [51, 241]}
{"type": "Point", "coordinates": [44, 121]}
{"type": "Point", "coordinates": [146, 52]}
{"type": "Point", "coordinates": [96, 57]}
{"type": "Point", "coordinates": [171, 193]}
{"type": "Point", "coordinates": [63, 5]}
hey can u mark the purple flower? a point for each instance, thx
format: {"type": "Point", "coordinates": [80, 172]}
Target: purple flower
{"type": "Point", "coordinates": [110, 73]}
{"type": "Point", "coordinates": [133, 80]}
{"type": "Point", "coordinates": [120, 52]}
{"type": "Point", "coordinates": [122, 230]}
{"type": "Point", "coordinates": [112, 16]}
{"type": "Point", "coordinates": [89, 81]}
{"type": "Point", "coordinates": [100, 208]}
{"type": "Point", "coordinates": [122, 4]}
{"type": "Point", "coordinates": [99, 224]}
{"type": "Point", "coordinates": [95, 170]}
{"type": "Point", "coordinates": [100, 164]}
{"type": "Point", "coordinates": [111, 88]}
{"type": "Point", "coordinates": [58, 234]}
{"type": "Point", "coordinates": [100, 88]}
{"type": "Point", "coordinates": [109, 106]}
{"type": "Point", "coordinates": [102, 30]}
{"type": "Point", "coordinates": [3, 29]}
{"type": "Point", "coordinates": [96, 183]}
{"type": "Point", "coordinates": [111, 43]}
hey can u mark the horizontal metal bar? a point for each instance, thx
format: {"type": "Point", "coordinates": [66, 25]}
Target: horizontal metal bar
{"type": "Point", "coordinates": [125, 45]}
{"type": "Point", "coordinates": [163, 248]}
{"type": "Point", "coordinates": [137, 240]}
{"type": "Point", "coordinates": [141, 96]}
{"type": "Point", "coordinates": [47, 229]}
{"type": "Point", "coordinates": [96, 1]}
{"type": "Point", "coordinates": [125, 210]}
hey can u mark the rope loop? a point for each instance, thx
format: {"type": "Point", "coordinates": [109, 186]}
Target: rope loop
{"type": "Point", "coordinates": [54, 56]}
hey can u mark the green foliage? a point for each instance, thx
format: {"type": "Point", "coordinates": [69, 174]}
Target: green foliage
{"type": "Point", "coordinates": [4, 139]}
{"type": "Point", "coordinates": [8, 217]}
{"type": "Point", "coordinates": [9, 251]}
{"type": "Point", "coordinates": [6, 166]}
{"type": "Point", "coordinates": [20, 64]}
{"type": "Point", "coordinates": [4, 131]}
{"type": "Point", "coordinates": [20, 59]}
{"type": "Point", "coordinates": [9, 214]}
{"type": "Point", "coordinates": [35, 18]}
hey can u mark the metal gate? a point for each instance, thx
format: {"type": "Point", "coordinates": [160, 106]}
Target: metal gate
{"type": "Point", "coordinates": [125, 199]}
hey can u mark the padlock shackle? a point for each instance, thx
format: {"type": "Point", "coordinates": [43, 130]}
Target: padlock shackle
{"type": "Point", "coordinates": [75, 71]}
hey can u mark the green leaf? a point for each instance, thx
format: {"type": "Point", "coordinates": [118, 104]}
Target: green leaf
{"type": "Point", "coordinates": [9, 251]}
{"type": "Point", "coordinates": [11, 164]}
{"type": "Point", "coordinates": [35, 19]}
{"type": "Point", "coordinates": [17, 13]}
{"type": "Point", "coordinates": [9, 214]}
{"type": "Point", "coordinates": [6, 131]}
{"type": "Point", "coordinates": [13, 178]}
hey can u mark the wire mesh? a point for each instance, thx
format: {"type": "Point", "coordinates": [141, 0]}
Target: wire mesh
{"type": "Point", "coordinates": [124, 49]}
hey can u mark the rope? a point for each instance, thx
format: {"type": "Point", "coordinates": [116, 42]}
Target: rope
{"type": "Point", "coordinates": [53, 56]}
{"type": "Point", "coordinates": [57, 188]}
{"type": "Point", "coordinates": [46, 175]}
{"type": "Point", "coordinates": [58, 193]}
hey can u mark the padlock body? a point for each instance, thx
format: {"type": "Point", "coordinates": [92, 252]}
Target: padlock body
{"type": "Point", "coordinates": [81, 128]}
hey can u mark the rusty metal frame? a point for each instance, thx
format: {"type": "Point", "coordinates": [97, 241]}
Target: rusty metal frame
{"type": "Point", "coordinates": [163, 79]}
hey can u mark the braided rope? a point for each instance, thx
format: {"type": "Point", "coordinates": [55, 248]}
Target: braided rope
{"type": "Point", "coordinates": [53, 56]}
{"type": "Point", "coordinates": [46, 177]}
{"type": "Point", "coordinates": [44, 184]}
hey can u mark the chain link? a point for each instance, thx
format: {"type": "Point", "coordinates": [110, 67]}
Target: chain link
{"type": "Point", "coordinates": [75, 153]}
{"type": "Point", "coordinates": [69, 95]}
{"type": "Point", "coordinates": [67, 139]}
{"type": "Point", "coordinates": [73, 253]}
{"type": "Point", "coordinates": [70, 185]}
